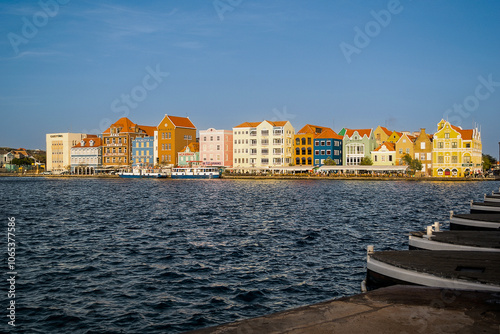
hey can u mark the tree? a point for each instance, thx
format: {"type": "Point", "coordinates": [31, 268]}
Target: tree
{"type": "Point", "coordinates": [413, 164]}
{"type": "Point", "coordinates": [330, 162]}
{"type": "Point", "coordinates": [22, 162]}
{"type": "Point", "coordinates": [488, 161]}
{"type": "Point", "coordinates": [366, 161]}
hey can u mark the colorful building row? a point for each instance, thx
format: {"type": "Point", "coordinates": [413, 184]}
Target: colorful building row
{"type": "Point", "coordinates": [451, 151]}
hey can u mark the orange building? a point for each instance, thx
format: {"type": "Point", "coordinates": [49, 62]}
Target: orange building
{"type": "Point", "coordinates": [174, 133]}
{"type": "Point", "coordinates": [304, 144]}
{"type": "Point", "coordinates": [117, 141]}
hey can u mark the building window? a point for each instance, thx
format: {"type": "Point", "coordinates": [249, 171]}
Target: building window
{"type": "Point", "coordinates": [297, 141]}
{"type": "Point", "coordinates": [316, 152]}
{"type": "Point", "coordinates": [454, 144]}
{"type": "Point", "coordinates": [454, 159]}
{"type": "Point", "coordinates": [440, 159]}
{"type": "Point", "coordinates": [440, 144]}
{"type": "Point", "coordinates": [309, 140]}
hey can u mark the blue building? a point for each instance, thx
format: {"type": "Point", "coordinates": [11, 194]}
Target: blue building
{"type": "Point", "coordinates": [143, 152]}
{"type": "Point", "coordinates": [327, 144]}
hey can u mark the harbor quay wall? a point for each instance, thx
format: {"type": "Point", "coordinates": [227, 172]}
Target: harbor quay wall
{"type": "Point", "coordinates": [395, 309]}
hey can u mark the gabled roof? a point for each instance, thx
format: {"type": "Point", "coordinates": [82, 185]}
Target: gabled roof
{"type": "Point", "coordinates": [127, 125]}
{"type": "Point", "coordinates": [386, 130]}
{"type": "Point", "coordinates": [255, 124]}
{"type": "Point", "coordinates": [150, 130]}
{"type": "Point", "coordinates": [312, 129]}
{"type": "Point", "coordinates": [193, 147]}
{"type": "Point", "coordinates": [329, 133]}
{"type": "Point", "coordinates": [388, 145]}
{"type": "Point", "coordinates": [97, 142]}
{"type": "Point", "coordinates": [361, 132]}
{"type": "Point", "coordinates": [181, 122]}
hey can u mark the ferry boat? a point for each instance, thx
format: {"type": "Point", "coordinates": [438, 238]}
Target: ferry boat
{"type": "Point", "coordinates": [475, 222]}
{"type": "Point", "coordinates": [142, 174]}
{"type": "Point", "coordinates": [472, 241]}
{"type": "Point", "coordinates": [196, 173]}
{"type": "Point", "coordinates": [464, 270]}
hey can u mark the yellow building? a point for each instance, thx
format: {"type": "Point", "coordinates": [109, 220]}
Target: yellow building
{"type": "Point", "coordinates": [384, 155]}
{"type": "Point", "coordinates": [174, 133]}
{"type": "Point", "coordinates": [59, 150]}
{"type": "Point", "coordinates": [456, 152]}
{"type": "Point", "coordinates": [381, 134]}
{"type": "Point", "coordinates": [394, 137]}
{"type": "Point", "coordinates": [404, 146]}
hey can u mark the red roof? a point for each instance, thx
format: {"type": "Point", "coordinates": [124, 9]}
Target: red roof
{"type": "Point", "coordinates": [388, 145]}
{"type": "Point", "coordinates": [97, 141]}
{"type": "Point", "coordinates": [127, 125]}
{"type": "Point", "coordinates": [311, 129]}
{"type": "Point", "coordinates": [329, 133]}
{"type": "Point", "coordinates": [182, 122]}
{"type": "Point", "coordinates": [466, 134]}
{"type": "Point", "coordinates": [361, 132]}
{"type": "Point", "coordinates": [193, 147]}
{"type": "Point", "coordinates": [150, 130]}
{"type": "Point", "coordinates": [255, 124]}
{"type": "Point", "coordinates": [387, 131]}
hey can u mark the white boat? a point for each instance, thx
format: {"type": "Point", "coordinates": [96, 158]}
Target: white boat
{"type": "Point", "coordinates": [196, 173]}
{"type": "Point", "coordinates": [478, 271]}
{"type": "Point", "coordinates": [142, 174]}
{"type": "Point", "coordinates": [472, 241]}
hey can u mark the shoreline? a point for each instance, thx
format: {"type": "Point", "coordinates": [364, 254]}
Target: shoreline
{"type": "Point", "coordinates": [284, 177]}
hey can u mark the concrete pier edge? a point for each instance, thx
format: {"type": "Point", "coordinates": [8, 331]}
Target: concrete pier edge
{"type": "Point", "coordinates": [395, 309]}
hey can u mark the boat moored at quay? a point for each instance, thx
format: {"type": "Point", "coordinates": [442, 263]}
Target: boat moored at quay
{"type": "Point", "coordinates": [142, 174]}
{"type": "Point", "coordinates": [196, 173]}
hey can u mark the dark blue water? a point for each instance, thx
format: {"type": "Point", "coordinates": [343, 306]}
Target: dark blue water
{"type": "Point", "coordinates": [167, 256]}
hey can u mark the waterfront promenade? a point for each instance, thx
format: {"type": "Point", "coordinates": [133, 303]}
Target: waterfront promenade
{"type": "Point", "coordinates": [396, 309]}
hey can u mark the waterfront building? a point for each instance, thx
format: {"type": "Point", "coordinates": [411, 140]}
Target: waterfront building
{"type": "Point", "coordinates": [190, 155]}
{"type": "Point", "coordinates": [59, 150]}
{"type": "Point", "coordinates": [404, 146]}
{"type": "Point", "coordinates": [303, 153]}
{"type": "Point", "coordinates": [143, 152]}
{"type": "Point", "coordinates": [117, 141]}
{"type": "Point", "coordinates": [384, 155]}
{"type": "Point", "coordinates": [216, 147]}
{"type": "Point", "coordinates": [357, 144]}
{"type": "Point", "coordinates": [394, 137]}
{"type": "Point", "coordinates": [174, 133]}
{"type": "Point", "coordinates": [262, 145]}
{"type": "Point", "coordinates": [6, 158]}
{"type": "Point", "coordinates": [422, 149]}
{"type": "Point", "coordinates": [86, 156]}
{"type": "Point", "coordinates": [327, 145]}
{"type": "Point", "coordinates": [381, 134]}
{"type": "Point", "coordinates": [456, 152]}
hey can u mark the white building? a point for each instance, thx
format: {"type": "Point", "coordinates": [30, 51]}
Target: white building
{"type": "Point", "coordinates": [262, 145]}
{"type": "Point", "coordinates": [86, 156]}
{"type": "Point", "coordinates": [59, 150]}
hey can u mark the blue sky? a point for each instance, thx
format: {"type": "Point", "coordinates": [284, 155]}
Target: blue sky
{"type": "Point", "coordinates": [79, 65]}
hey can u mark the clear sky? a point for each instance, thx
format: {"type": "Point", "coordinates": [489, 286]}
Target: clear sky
{"type": "Point", "coordinates": [79, 65]}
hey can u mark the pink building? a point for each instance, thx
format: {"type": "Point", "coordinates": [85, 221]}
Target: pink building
{"type": "Point", "coordinates": [216, 147]}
